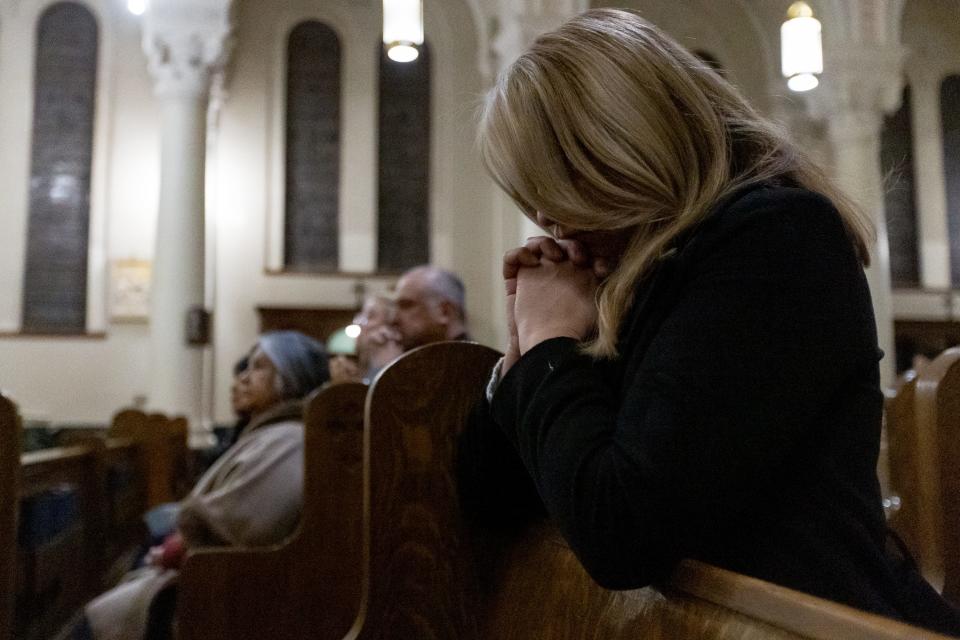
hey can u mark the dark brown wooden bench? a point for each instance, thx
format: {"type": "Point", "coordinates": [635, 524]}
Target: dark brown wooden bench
{"type": "Point", "coordinates": [59, 562]}
{"type": "Point", "coordinates": [427, 574]}
{"type": "Point", "coordinates": [308, 587]}
{"type": "Point", "coordinates": [122, 470]}
{"type": "Point", "coordinates": [123, 473]}
{"type": "Point", "coordinates": [83, 503]}
{"type": "Point", "coordinates": [165, 452]}
{"type": "Point", "coordinates": [938, 418]}
{"type": "Point", "coordinates": [913, 480]}
{"type": "Point", "coordinates": [9, 483]}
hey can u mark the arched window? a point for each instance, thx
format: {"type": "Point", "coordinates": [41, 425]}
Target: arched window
{"type": "Point", "coordinates": [312, 186]}
{"type": "Point", "coordinates": [950, 116]}
{"type": "Point", "coordinates": [55, 274]}
{"type": "Point", "coordinates": [403, 238]}
{"type": "Point", "coordinates": [896, 159]}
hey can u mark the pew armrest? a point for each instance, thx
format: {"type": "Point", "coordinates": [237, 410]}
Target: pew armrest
{"type": "Point", "coordinates": [786, 609]}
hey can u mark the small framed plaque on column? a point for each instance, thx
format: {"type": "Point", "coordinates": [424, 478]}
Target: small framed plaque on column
{"type": "Point", "coordinates": [130, 290]}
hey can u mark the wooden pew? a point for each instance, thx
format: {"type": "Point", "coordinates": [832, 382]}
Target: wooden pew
{"type": "Point", "coordinates": [123, 475]}
{"type": "Point", "coordinates": [82, 526]}
{"type": "Point", "coordinates": [60, 557]}
{"type": "Point", "coordinates": [308, 587]}
{"type": "Point", "coordinates": [428, 575]}
{"type": "Point", "coordinates": [914, 478]}
{"type": "Point", "coordinates": [9, 483]}
{"type": "Point", "coordinates": [938, 417]}
{"type": "Point", "coordinates": [164, 443]}
{"type": "Point", "coordinates": [125, 502]}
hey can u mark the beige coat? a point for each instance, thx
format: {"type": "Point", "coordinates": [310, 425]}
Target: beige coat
{"type": "Point", "coordinates": [251, 496]}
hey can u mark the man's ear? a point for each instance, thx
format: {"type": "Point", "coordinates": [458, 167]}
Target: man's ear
{"type": "Point", "coordinates": [448, 312]}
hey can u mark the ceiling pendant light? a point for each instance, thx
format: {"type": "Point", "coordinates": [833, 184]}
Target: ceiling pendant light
{"type": "Point", "coordinates": [801, 48]}
{"type": "Point", "coordinates": [137, 7]}
{"type": "Point", "coordinates": [402, 29]}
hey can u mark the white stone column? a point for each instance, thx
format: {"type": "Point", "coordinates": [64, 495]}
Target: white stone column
{"type": "Point", "coordinates": [855, 138]}
{"type": "Point", "coordinates": [186, 43]}
{"type": "Point", "coordinates": [862, 84]}
{"type": "Point", "coordinates": [518, 23]}
{"type": "Point", "coordinates": [930, 187]}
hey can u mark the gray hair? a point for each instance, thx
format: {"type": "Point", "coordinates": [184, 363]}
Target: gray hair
{"type": "Point", "coordinates": [445, 285]}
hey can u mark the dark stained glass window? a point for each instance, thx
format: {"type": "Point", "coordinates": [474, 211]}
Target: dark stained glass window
{"type": "Point", "coordinates": [950, 116]}
{"type": "Point", "coordinates": [404, 163]}
{"type": "Point", "coordinates": [896, 159]}
{"type": "Point", "coordinates": [55, 275]}
{"type": "Point", "coordinates": [311, 227]}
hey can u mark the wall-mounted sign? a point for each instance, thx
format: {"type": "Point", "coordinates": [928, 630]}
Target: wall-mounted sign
{"type": "Point", "coordinates": [130, 290]}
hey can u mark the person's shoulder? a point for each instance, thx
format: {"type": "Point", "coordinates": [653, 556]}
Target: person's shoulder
{"type": "Point", "coordinates": [781, 204]}
{"type": "Point", "coordinates": [773, 215]}
{"type": "Point", "coordinates": [284, 431]}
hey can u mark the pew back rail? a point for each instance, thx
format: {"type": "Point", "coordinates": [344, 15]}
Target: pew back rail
{"type": "Point", "coordinates": [428, 575]}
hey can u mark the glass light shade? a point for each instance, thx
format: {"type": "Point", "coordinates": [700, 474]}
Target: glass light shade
{"type": "Point", "coordinates": [402, 22]}
{"type": "Point", "coordinates": [353, 331]}
{"type": "Point", "coordinates": [801, 49]}
{"type": "Point", "coordinates": [137, 7]}
{"type": "Point", "coordinates": [341, 343]}
{"type": "Point", "coordinates": [803, 82]}
{"type": "Point", "coordinates": [402, 53]}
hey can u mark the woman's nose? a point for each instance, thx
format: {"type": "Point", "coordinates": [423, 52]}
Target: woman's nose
{"type": "Point", "coordinates": [549, 225]}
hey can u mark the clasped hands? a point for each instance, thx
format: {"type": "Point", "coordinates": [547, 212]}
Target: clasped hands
{"type": "Point", "coordinates": [551, 293]}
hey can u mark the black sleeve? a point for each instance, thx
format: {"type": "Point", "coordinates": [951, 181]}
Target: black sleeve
{"type": "Point", "coordinates": [495, 490]}
{"type": "Point", "coordinates": [771, 320]}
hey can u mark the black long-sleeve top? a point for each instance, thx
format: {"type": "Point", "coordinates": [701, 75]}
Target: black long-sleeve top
{"type": "Point", "coordinates": [740, 424]}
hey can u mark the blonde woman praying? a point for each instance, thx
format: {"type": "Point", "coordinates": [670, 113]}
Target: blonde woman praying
{"type": "Point", "coordinates": [693, 364]}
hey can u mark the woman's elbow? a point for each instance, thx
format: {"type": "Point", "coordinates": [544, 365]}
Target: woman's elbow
{"type": "Point", "coordinates": [622, 568]}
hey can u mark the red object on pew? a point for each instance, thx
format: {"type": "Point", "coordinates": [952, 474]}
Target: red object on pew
{"type": "Point", "coordinates": [169, 554]}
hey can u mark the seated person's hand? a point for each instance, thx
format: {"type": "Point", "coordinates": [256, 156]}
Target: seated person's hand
{"type": "Point", "coordinates": [381, 344]}
{"type": "Point", "coordinates": [553, 300]}
{"type": "Point", "coordinates": [169, 554]}
{"type": "Point", "coordinates": [534, 252]}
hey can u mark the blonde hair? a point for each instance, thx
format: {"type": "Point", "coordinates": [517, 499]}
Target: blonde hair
{"type": "Point", "coordinates": [609, 124]}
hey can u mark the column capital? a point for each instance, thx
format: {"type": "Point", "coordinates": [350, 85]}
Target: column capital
{"type": "Point", "coordinates": [863, 61]}
{"type": "Point", "coordinates": [859, 87]}
{"type": "Point", "coordinates": [518, 25]}
{"type": "Point", "coordinates": [186, 42]}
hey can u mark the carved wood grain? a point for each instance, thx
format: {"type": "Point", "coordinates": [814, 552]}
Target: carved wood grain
{"type": "Point", "coordinates": [420, 582]}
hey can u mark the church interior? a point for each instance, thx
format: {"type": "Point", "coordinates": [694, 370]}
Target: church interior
{"type": "Point", "coordinates": [181, 176]}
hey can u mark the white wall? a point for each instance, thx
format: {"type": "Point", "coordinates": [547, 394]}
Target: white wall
{"type": "Point", "coordinates": [78, 379]}
{"type": "Point", "coordinates": [249, 158]}
{"type": "Point", "coordinates": [87, 379]}
{"type": "Point", "coordinates": [731, 31]}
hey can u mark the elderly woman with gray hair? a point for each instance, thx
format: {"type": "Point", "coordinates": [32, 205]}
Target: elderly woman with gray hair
{"type": "Point", "coordinates": [251, 496]}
